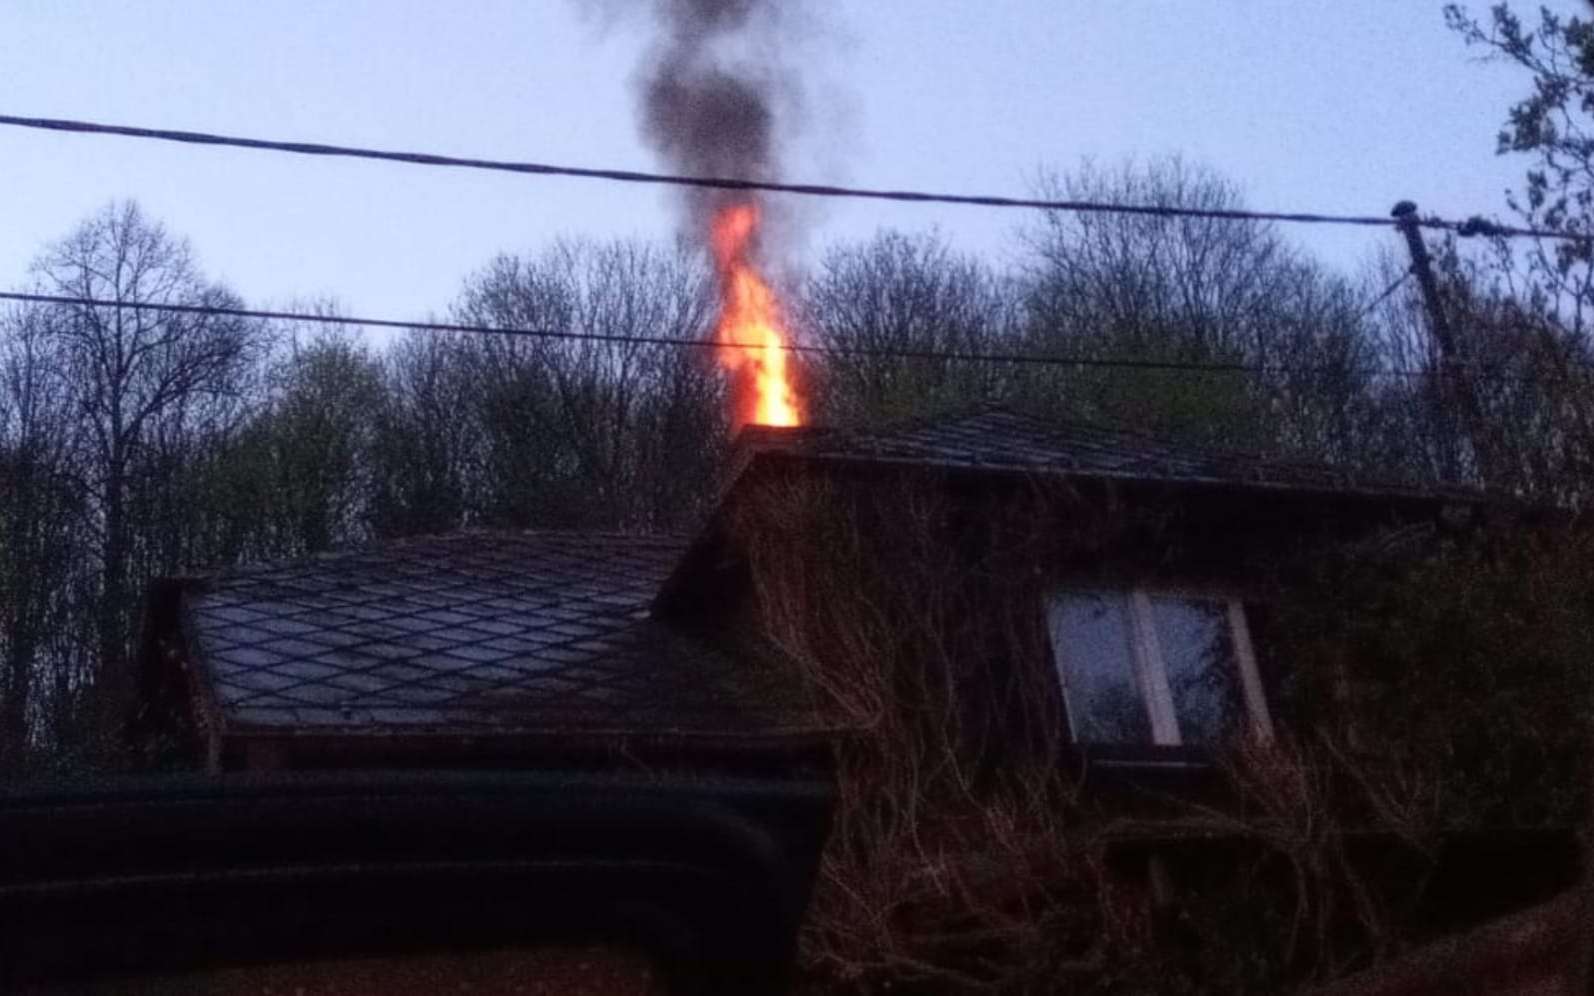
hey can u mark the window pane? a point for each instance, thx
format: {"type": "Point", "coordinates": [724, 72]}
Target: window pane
{"type": "Point", "coordinates": [1090, 636]}
{"type": "Point", "coordinates": [1198, 651]}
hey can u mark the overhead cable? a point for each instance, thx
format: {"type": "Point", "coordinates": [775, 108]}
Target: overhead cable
{"type": "Point", "coordinates": [829, 350]}
{"type": "Point", "coordinates": [1382, 297]}
{"type": "Point", "coordinates": [1472, 226]}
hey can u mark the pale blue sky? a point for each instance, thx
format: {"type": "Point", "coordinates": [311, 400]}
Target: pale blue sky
{"type": "Point", "coordinates": [1328, 105]}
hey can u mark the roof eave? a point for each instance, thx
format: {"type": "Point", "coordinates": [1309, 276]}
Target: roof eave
{"type": "Point", "coordinates": [285, 747]}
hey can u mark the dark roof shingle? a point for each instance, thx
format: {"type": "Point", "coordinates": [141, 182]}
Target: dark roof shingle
{"type": "Point", "coordinates": [999, 439]}
{"type": "Point", "coordinates": [485, 631]}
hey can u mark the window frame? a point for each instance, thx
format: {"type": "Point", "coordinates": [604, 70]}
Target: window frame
{"type": "Point", "coordinates": [1149, 670]}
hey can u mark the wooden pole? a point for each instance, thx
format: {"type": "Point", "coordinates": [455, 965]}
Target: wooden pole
{"type": "Point", "coordinates": [1455, 391]}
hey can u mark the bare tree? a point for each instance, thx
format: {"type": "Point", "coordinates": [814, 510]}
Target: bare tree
{"type": "Point", "coordinates": [905, 293]}
{"type": "Point", "coordinates": [426, 459]}
{"type": "Point", "coordinates": [1528, 373]}
{"type": "Point", "coordinates": [136, 376]}
{"type": "Point", "coordinates": [1194, 291]}
{"type": "Point", "coordinates": [39, 560]}
{"type": "Point", "coordinates": [588, 432]}
{"type": "Point", "coordinates": [303, 464]}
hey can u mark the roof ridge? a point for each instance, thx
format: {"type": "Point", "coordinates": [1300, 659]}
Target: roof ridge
{"type": "Point", "coordinates": [397, 544]}
{"type": "Point", "coordinates": [996, 429]}
{"type": "Point", "coordinates": [917, 422]}
{"type": "Point", "coordinates": [1186, 449]}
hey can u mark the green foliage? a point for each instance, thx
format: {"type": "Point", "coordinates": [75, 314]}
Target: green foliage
{"type": "Point", "coordinates": [1554, 126]}
{"type": "Point", "coordinates": [1465, 669]}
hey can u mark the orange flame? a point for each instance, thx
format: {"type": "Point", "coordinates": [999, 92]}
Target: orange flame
{"type": "Point", "coordinates": [749, 331]}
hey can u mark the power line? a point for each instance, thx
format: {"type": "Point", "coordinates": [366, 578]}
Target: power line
{"type": "Point", "coordinates": [1382, 297]}
{"type": "Point", "coordinates": [1472, 226]}
{"type": "Point", "coordinates": [1028, 359]}
{"type": "Point", "coordinates": [643, 340]}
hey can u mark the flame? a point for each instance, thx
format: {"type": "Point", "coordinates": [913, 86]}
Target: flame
{"type": "Point", "coordinates": [749, 331]}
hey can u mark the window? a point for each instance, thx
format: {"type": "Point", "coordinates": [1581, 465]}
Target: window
{"type": "Point", "coordinates": [1162, 668]}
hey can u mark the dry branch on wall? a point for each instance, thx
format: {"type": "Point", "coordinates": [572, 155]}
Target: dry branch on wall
{"type": "Point", "coordinates": [966, 855]}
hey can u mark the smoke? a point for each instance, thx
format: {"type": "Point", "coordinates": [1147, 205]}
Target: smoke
{"type": "Point", "coordinates": [720, 94]}
{"type": "Point", "coordinates": [716, 97]}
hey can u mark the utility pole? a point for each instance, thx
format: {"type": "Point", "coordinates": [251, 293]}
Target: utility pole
{"type": "Point", "coordinates": [1455, 390]}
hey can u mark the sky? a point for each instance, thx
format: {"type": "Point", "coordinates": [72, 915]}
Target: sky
{"type": "Point", "coordinates": [1343, 106]}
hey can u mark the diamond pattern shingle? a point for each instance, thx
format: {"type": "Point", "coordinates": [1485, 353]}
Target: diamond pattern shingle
{"type": "Point", "coordinates": [547, 631]}
{"type": "Point", "coordinates": [997, 438]}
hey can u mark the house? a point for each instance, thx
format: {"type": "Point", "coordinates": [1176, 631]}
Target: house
{"type": "Point", "coordinates": [481, 647]}
{"type": "Point", "coordinates": [968, 625]}
{"type": "Point", "coordinates": [470, 752]}
{"type": "Point", "coordinates": [492, 647]}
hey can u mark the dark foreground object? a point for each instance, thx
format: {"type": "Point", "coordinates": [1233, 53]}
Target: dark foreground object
{"type": "Point", "coordinates": [707, 878]}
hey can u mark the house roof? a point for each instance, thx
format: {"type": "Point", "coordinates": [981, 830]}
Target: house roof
{"type": "Point", "coordinates": [553, 632]}
{"type": "Point", "coordinates": [999, 439]}
{"type": "Point", "coordinates": [488, 632]}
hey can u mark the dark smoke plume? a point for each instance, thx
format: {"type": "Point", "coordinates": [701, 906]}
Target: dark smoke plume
{"type": "Point", "coordinates": [718, 98]}
{"type": "Point", "coordinates": [715, 100]}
